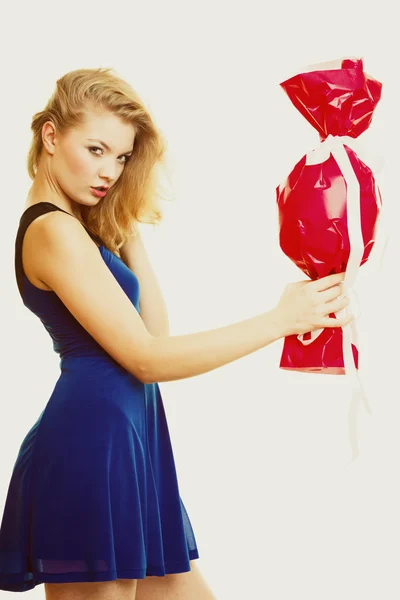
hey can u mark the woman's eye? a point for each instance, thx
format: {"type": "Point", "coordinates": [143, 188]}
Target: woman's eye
{"type": "Point", "coordinates": [95, 148]}
{"type": "Point", "coordinates": [91, 148]}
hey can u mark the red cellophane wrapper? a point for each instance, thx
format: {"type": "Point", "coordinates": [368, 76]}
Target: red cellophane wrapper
{"type": "Point", "coordinates": [312, 202]}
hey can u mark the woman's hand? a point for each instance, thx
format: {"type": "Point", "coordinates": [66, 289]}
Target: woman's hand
{"type": "Point", "coordinates": [305, 305]}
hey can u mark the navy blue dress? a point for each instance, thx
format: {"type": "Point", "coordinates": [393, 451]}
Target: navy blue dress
{"type": "Point", "coordinates": [94, 493]}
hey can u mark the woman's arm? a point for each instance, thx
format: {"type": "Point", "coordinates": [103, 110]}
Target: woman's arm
{"type": "Point", "coordinates": [152, 305]}
{"type": "Point", "coordinates": [68, 261]}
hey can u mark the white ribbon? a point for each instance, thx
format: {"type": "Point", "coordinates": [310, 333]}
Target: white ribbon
{"type": "Point", "coordinates": [335, 145]}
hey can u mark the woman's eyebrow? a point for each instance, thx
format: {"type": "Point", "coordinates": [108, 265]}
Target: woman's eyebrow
{"type": "Point", "coordinates": [106, 146]}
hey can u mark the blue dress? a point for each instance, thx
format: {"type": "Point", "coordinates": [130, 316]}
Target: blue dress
{"type": "Point", "coordinates": [94, 493]}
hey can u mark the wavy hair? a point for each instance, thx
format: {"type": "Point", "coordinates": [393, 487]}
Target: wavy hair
{"type": "Point", "coordinates": [136, 194]}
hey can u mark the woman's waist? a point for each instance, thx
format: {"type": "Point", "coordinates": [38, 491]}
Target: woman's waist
{"type": "Point", "coordinates": [96, 371]}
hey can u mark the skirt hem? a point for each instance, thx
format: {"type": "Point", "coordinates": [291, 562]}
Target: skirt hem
{"type": "Point", "coordinates": [14, 583]}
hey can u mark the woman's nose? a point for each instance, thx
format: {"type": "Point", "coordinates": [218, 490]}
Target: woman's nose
{"type": "Point", "coordinates": [108, 171]}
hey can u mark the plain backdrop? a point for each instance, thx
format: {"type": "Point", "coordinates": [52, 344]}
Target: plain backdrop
{"type": "Point", "coordinates": [260, 452]}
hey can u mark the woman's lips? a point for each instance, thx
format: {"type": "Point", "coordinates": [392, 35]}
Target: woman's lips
{"type": "Point", "coordinates": [98, 193]}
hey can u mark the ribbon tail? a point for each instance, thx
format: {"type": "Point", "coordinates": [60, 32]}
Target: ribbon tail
{"type": "Point", "coordinates": [359, 387]}
{"type": "Point", "coordinates": [352, 425]}
{"type": "Point", "coordinates": [363, 397]}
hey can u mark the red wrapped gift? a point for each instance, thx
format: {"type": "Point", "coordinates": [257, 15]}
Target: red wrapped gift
{"type": "Point", "coordinates": [329, 204]}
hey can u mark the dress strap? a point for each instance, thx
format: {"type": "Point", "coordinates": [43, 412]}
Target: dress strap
{"type": "Point", "coordinates": [29, 215]}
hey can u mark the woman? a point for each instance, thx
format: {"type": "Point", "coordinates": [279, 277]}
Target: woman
{"type": "Point", "coordinates": [93, 508]}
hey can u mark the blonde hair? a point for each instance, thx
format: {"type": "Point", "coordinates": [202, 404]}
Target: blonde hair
{"type": "Point", "coordinates": [135, 196]}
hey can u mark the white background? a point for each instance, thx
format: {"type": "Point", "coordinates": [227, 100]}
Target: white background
{"type": "Point", "coordinates": [260, 452]}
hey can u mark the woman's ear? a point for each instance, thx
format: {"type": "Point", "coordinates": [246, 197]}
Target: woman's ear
{"type": "Point", "coordinates": [48, 136]}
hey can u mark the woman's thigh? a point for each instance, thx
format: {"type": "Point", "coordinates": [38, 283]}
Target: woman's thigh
{"type": "Point", "coordinates": [118, 589]}
{"type": "Point", "coordinates": [176, 586]}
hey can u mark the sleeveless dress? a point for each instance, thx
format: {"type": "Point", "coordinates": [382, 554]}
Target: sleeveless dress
{"type": "Point", "coordinates": [94, 493]}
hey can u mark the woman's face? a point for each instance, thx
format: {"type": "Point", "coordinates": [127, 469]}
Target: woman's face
{"type": "Point", "coordinates": [91, 155]}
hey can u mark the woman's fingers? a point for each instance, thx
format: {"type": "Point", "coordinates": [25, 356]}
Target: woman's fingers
{"type": "Point", "coordinates": [325, 296]}
{"type": "Point", "coordinates": [326, 282]}
{"type": "Point", "coordinates": [336, 305]}
{"type": "Point", "coordinates": [331, 293]}
{"type": "Point", "coordinates": [330, 322]}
